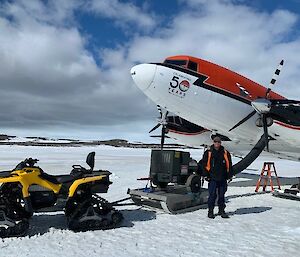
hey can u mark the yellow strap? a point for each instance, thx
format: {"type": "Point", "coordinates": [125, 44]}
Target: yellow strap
{"type": "Point", "coordinates": [225, 157]}
{"type": "Point", "coordinates": [226, 160]}
{"type": "Point", "coordinates": [208, 161]}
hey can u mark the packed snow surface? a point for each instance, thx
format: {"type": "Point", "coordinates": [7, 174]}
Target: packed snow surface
{"type": "Point", "coordinates": [259, 225]}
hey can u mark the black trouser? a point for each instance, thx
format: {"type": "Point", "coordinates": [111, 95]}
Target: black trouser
{"type": "Point", "coordinates": [213, 188]}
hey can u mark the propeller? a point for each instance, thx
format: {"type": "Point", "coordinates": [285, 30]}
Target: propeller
{"type": "Point", "coordinates": [243, 120]}
{"type": "Point", "coordinates": [274, 78]}
{"type": "Point", "coordinates": [161, 122]}
{"type": "Point", "coordinates": [262, 106]}
{"type": "Point", "coordinates": [266, 134]}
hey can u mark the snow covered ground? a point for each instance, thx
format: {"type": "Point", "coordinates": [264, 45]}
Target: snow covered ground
{"type": "Point", "coordinates": [259, 224]}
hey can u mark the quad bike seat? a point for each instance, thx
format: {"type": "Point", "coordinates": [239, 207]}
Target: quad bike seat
{"type": "Point", "coordinates": [58, 179]}
{"type": "Point", "coordinates": [65, 178]}
{"type": "Point", "coordinates": [76, 173]}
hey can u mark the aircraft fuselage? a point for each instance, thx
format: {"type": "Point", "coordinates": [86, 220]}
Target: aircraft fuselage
{"type": "Point", "coordinates": [212, 97]}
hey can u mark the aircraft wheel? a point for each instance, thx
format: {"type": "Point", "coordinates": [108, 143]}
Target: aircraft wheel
{"type": "Point", "coordinates": [193, 183]}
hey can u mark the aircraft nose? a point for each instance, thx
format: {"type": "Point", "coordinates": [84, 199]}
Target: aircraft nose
{"type": "Point", "coordinates": [143, 75]}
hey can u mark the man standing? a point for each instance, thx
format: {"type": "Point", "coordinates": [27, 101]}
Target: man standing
{"type": "Point", "coordinates": [217, 168]}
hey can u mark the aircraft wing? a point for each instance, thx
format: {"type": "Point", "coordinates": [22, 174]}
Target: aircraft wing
{"type": "Point", "coordinates": [282, 145]}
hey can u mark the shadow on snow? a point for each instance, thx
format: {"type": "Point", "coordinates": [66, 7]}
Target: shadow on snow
{"type": "Point", "coordinates": [250, 210]}
{"type": "Point", "coordinates": [41, 223]}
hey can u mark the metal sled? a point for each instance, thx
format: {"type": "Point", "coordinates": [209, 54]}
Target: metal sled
{"type": "Point", "coordinates": [292, 194]}
{"type": "Point", "coordinates": [172, 199]}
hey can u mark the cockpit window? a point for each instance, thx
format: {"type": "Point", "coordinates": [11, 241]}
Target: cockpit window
{"type": "Point", "coordinates": [187, 64]}
{"type": "Point", "coordinates": [176, 62]}
{"type": "Point", "coordinates": [193, 66]}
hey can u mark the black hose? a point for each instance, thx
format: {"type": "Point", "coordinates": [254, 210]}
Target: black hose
{"type": "Point", "coordinates": [250, 157]}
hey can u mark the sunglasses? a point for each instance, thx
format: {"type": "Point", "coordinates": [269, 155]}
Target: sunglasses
{"type": "Point", "coordinates": [217, 142]}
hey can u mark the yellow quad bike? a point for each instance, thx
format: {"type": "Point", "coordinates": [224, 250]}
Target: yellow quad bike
{"type": "Point", "coordinates": [28, 189]}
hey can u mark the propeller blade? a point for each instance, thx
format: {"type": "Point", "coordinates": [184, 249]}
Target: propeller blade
{"type": "Point", "coordinates": [159, 136]}
{"type": "Point", "coordinates": [285, 103]}
{"type": "Point", "coordinates": [266, 135]}
{"type": "Point", "coordinates": [162, 141]}
{"type": "Point", "coordinates": [162, 122]}
{"type": "Point", "coordinates": [159, 110]}
{"type": "Point", "coordinates": [243, 120]}
{"type": "Point", "coordinates": [274, 78]}
{"type": "Point", "coordinates": [154, 128]}
{"type": "Point", "coordinates": [164, 116]}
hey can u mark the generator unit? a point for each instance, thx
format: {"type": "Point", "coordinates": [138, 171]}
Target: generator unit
{"type": "Point", "coordinates": [172, 166]}
{"type": "Point", "coordinates": [175, 183]}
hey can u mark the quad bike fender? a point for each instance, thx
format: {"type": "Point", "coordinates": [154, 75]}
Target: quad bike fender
{"type": "Point", "coordinates": [28, 179]}
{"type": "Point", "coordinates": [19, 180]}
{"type": "Point", "coordinates": [25, 193]}
{"type": "Point", "coordinates": [81, 181]}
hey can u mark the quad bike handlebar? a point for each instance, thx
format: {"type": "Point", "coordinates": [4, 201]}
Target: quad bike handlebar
{"type": "Point", "coordinates": [28, 162]}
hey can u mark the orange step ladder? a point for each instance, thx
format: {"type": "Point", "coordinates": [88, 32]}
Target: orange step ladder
{"type": "Point", "coordinates": [268, 168]}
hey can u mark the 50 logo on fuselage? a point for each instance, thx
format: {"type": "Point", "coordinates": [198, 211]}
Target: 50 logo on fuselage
{"type": "Point", "coordinates": [179, 86]}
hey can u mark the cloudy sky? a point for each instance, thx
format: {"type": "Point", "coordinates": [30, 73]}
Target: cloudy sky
{"type": "Point", "coordinates": [64, 65]}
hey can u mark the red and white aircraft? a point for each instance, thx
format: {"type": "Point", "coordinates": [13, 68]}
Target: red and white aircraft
{"type": "Point", "coordinates": [209, 100]}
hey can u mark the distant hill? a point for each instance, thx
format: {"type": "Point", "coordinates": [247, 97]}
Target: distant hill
{"type": "Point", "coordinates": [64, 142]}
{"type": "Point", "coordinates": [6, 137]}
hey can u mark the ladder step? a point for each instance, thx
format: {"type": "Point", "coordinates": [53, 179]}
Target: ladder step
{"type": "Point", "coordinates": [266, 176]}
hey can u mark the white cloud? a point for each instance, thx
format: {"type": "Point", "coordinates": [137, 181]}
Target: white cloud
{"type": "Point", "coordinates": [235, 36]}
{"type": "Point", "coordinates": [43, 56]}
{"type": "Point", "coordinates": [59, 13]}
{"type": "Point", "coordinates": [122, 12]}
{"type": "Point", "coordinates": [49, 79]}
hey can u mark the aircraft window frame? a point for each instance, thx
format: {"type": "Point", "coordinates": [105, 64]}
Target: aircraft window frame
{"type": "Point", "coordinates": [193, 67]}
{"type": "Point", "coordinates": [182, 63]}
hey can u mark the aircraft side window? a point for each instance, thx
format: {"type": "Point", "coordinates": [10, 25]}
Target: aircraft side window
{"type": "Point", "coordinates": [176, 62]}
{"type": "Point", "coordinates": [193, 66]}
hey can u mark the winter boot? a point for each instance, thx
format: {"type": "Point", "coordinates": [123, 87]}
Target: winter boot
{"type": "Point", "coordinates": [211, 213]}
{"type": "Point", "coordinates": [222, 213]}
